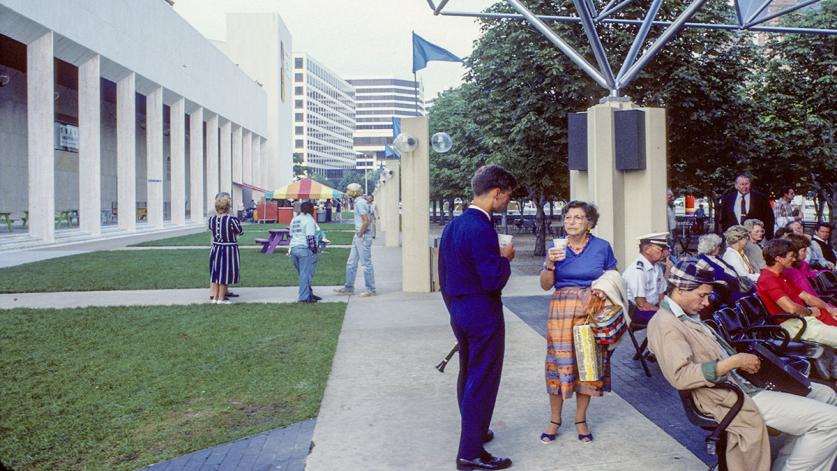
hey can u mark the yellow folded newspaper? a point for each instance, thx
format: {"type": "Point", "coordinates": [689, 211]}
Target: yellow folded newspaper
{"type": "Point", "coordinates": [587, 354]}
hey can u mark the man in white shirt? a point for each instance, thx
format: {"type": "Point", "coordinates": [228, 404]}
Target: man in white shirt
{"type": "Point", "coordinates": [304, 249]}
{"type": "Point", "coordinates": [645, 278]}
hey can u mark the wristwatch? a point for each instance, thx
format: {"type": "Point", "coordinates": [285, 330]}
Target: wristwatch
{"type": "Point", "coordinates": [548, 268]}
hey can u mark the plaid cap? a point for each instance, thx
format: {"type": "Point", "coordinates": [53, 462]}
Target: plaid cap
{"type": "Point", "coordinates": [689, 274]}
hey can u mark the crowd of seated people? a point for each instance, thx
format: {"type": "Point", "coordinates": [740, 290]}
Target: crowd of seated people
{"type": "Point", "coordinates": [709, 249]}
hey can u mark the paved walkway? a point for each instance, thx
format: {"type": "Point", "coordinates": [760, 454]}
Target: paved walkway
{"type": "Point", "coordinates": [387, 408]}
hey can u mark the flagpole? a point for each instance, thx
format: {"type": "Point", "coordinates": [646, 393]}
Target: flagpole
{"type": "Point", "coordinates": [415, 91]}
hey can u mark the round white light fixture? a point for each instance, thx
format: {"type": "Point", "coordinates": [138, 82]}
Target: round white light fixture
{"type": "Point", "coordinates": [441, 142]}
{"type": "Point", "coordinates": [405, 143]}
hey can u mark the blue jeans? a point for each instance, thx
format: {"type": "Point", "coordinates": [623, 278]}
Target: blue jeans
{"type": "Point", "coordinates": [361, 252]}
{"type": "Point", "coordinates": [305, 263]}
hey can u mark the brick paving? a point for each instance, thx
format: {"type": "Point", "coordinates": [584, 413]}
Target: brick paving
{"type": "Point", "coordinates": [282, 449]}
{"type": "Point", "coordinates": [653, 397]}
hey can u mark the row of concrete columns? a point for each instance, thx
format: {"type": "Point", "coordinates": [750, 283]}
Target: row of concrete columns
{"type": "Point", "coordinates": [240, 157]}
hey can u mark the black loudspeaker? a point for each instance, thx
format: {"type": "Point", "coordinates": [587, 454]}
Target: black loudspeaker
{"type": "Point", "coordinates": [577, 141]}
{"type": "Point", "coordinates": [630, 139]}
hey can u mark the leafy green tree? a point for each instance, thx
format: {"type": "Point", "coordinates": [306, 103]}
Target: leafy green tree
{"type": "Point", "coordinates": [357, 176]}
{"type": "Point", "coordinates": [798, 108]}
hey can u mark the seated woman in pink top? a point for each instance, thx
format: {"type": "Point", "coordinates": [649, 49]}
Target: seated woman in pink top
{"type": "Point", "coordinates": [800, 273]}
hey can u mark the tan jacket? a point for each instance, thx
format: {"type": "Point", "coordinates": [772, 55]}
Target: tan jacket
{"type": "Point", "coordinates": [681, 349]}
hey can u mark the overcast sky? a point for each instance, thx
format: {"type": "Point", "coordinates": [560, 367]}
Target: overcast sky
{"type": "Point", "coordinates": [357, 37]}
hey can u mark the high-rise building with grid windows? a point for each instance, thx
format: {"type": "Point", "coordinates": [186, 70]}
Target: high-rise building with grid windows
{"type": "Point", "coordinates": [380, 99]}
{"type": "Point", "coordinates": [324, 118]}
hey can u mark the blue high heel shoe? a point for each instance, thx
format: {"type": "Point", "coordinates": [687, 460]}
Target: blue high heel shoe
{"type": "Point", "coordinates": [584, 437]}
{"type": "Point", "coordinates": [547, 438]}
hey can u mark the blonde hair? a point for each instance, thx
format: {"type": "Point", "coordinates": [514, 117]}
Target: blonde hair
{"type": "Point", "coordinates": [735, 234]}
{"type": "Point", "coordinates": [222, 204]}
{"type": "Point", "coordinates": [751, 223]}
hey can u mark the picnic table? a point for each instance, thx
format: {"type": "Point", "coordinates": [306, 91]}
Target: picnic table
{"type": "Point", "coordinates": [277, 237]}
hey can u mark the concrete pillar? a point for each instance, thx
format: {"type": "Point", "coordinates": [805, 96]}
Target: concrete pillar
{"type": "Point", "coordinates": [177, 148]}
{"type": "Point", "coordinates": [256, 169]}
{"type": "Point", "coordinates": [392, 224]}
{"type": "Point", "coordinates": [40, 116]}
{"type": "Point", "coordinates": [126, 152]}
{"type": "Point", "coordinates": [265, 167]}
{"type": "Point", "coordinates": [225, 166]}
{"type": "Point", "coordinates": [237, 138]}
{"type": "Point", "coordinates": [212, 163]}
{"type": "Point", "coordinates": [90, 146]}
{"type": "Point", "coordinates": [247, 158]}
{"type": "Point", "coordinates": [196, 196]}
{"type": "Point", "coordinates": [415, 197]}
{"type": "Point", "coordinates": [631, 203]}
{"type": "Point", "coordinates": [154, 156]}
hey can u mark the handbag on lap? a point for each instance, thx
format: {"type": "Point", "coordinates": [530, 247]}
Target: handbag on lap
{"type": "Point", "coordinates": [775, 374]}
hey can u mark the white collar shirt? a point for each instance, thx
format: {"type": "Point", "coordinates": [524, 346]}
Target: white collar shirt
{"type": "Point", "coordinates": [473, 206]}
{"type": "Point", "coordinates": [644, 279]}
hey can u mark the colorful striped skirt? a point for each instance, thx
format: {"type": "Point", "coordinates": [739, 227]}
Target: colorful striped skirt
{"type": "Point", "coordinates": [566, 309]}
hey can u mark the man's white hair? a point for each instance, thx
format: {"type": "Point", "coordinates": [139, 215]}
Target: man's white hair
{"type": "Point", "coordinates": [354, 189]}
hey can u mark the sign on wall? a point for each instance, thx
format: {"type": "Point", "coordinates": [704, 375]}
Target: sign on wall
{"type": "Point", "coordinates": [66, 137]}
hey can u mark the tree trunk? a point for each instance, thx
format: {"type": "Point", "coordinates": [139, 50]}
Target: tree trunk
{"type": "Point", "coordinates": [540, 225]}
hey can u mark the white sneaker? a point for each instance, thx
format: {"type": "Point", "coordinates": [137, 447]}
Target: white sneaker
{"type": "Point", "coordinates": [225, 301]}
{"type": "Point", "coordinates": [366, 294]}
{"type": "Point", "coordinates": [343, 291]}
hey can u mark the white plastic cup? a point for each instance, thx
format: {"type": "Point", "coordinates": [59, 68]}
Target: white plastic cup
{"type": "Point", "coordinates": [504, 239]}
{"type": "Point", "coordinates": [560, 244]}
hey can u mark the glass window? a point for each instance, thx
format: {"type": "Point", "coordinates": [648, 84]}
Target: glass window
{"type": "Point", "coordinates": [298, 62]}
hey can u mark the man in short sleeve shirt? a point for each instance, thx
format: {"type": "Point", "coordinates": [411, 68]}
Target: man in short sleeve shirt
{"type": "Point", "coordinates": [645, 278]}
{"type": "Point", "coordinates": [361, 252]}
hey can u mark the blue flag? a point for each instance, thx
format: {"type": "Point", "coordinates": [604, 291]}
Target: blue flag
{"type": "Point", "coordinates": [391, 153]}
{"type": "Point", "coordinates": [396, 126]}
{"type": "Point", "coordinates": [425, 51]}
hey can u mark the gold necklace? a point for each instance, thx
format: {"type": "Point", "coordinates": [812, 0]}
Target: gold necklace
{"type": "Point", "coordinates": [579, 247]}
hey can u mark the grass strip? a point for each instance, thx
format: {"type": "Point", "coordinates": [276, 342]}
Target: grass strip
{"type": "Point", "coordinates": [123, 387]}
{"type": "Point", "coordinates": [336, 236]}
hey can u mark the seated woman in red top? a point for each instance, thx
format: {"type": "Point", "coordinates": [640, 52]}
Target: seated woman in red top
{"type": "Point", "coordinates": [780, 296]}
{"type": "Point", "coordinates": [798, 275]}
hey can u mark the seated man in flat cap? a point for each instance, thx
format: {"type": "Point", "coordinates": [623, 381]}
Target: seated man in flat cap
{"type": "Point", "coordinates": [645, 278]}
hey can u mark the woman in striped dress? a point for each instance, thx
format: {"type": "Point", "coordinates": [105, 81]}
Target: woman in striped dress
{"type": "Point", "coordinates": [571, 271]}
{"type": "Point", "coordinates": [224, 256]}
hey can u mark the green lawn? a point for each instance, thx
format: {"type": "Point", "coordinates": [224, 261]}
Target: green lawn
{"type": "Point", "coordinates": [125, 387]}
{"type": "Point", "coordinates": [160, 269]}
{"type": "Point", "coordinates": [337, 236]}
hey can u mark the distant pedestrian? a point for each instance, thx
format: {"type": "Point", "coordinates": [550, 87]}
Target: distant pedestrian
{"type": "Point", "coordinates": [328, 205]}
{"type": "Point", "coordinates": [304, 248]}
{"type": "Point", "coordinates": [224, 256]}
{"type": "Point", "coordinates": [361, 253]}
{"type": "Point", "coordinates": [339, 208]}
{"type": "Point", "coordinates": [373, 214]}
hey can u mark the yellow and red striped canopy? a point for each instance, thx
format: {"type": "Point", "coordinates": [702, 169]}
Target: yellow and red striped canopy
{"type": "Point", "coordinates": [306, 189]}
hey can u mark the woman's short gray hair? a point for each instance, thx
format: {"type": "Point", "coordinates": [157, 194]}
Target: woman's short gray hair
{"type": "Point", "coordinates": [708, 243]}
{"type": "Point", "coordinates": [749, 224]}
{"type": "Point", "coordinates": [735, 234]}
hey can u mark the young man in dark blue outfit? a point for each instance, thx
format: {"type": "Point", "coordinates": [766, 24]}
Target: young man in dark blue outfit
{"type": "Point", "coordinates": [473, 269]}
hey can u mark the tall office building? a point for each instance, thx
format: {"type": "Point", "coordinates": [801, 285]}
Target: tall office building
{"type": "Point", "coordinates": [324, 118]}
{"type": "Point", "coordinates": [379, 100]}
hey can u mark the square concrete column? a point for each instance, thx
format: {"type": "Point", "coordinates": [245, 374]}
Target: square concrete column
{"type": "Point", "coordinates": [415, 197]}
{"type": "Point", "coordinates": [177, 149]}
{"type": "Point", "coordinates": [126, 152]}
{"type": "Point", "coordinates": [392, 223]}
{"type": "Point", "coordinates": [265, 166]}
{"type": "Point", "coordinates": [196, 196]}
{"type": "Point", "coordinates": [40, 116]}
{"type": "Point", "coordinates": [154, 155]}
{"type": "Point", "coordinates": [247, 158]}
{"type": "Point", "coordinates": [225, 167]}
{"type": "Point", "coordinates": [90, 146]}
{"type": "Point", "coordinates": [619, 193]}
{"type": "Point", "coordinates": [237, 138]}
{"type": "Point", "coordinates": [212, 163]}
{"type": "Point", "coordinates": [257, 161]}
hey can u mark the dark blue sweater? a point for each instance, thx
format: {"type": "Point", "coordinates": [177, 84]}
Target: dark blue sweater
{"type": "Point", "coordinates": [469, 257]}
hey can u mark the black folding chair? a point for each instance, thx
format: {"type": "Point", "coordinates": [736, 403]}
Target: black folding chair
{"type": "Point", "coordinates": [636, 326]}
{"type": "Point", "coordinates": [716, 442]}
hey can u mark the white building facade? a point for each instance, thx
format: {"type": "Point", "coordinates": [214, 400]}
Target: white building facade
{"type": "Point", "coordinates": [261, 44]}
{"type": "Point", "coordinates": [379, 100]}
{"type": "Point", "coordinates": [324, 118]}
{"type": "Point", "coordinates": [119, 110]}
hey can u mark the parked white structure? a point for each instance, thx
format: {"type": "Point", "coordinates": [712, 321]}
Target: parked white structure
{"type": "Point", "coordinates": [324, 118]}
{"type": "Point", "coordinates": [114, 107]}
{"type": "Point", "coordinates": [379, 99]}
{"type": "Point", "coordinates": [261, 44]}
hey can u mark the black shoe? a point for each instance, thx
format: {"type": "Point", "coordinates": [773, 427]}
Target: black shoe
{"type": "Point", "coordinates": [230, 294]}
{"type": "Point", "coordinates": [484, 462]}
{"type": "Point", "coordinates": [226, 298]}
{"type": "Point", "coordinates": [316, 298]}
{"type": "Point", "coordinates": [489, 435]}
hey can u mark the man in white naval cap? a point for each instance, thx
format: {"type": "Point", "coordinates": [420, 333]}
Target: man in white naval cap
{"type": "Point", "coordinates": [645, 278]}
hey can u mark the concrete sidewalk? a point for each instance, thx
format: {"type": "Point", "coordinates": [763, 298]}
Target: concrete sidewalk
{"type": "Point", "coordinates": [156, 297]}
{"type": "Point", "coordinates": [387, 408]}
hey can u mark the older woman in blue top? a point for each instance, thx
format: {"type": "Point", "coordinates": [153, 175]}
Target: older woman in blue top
{"type": "Point", "coordinates": [571, 271]}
